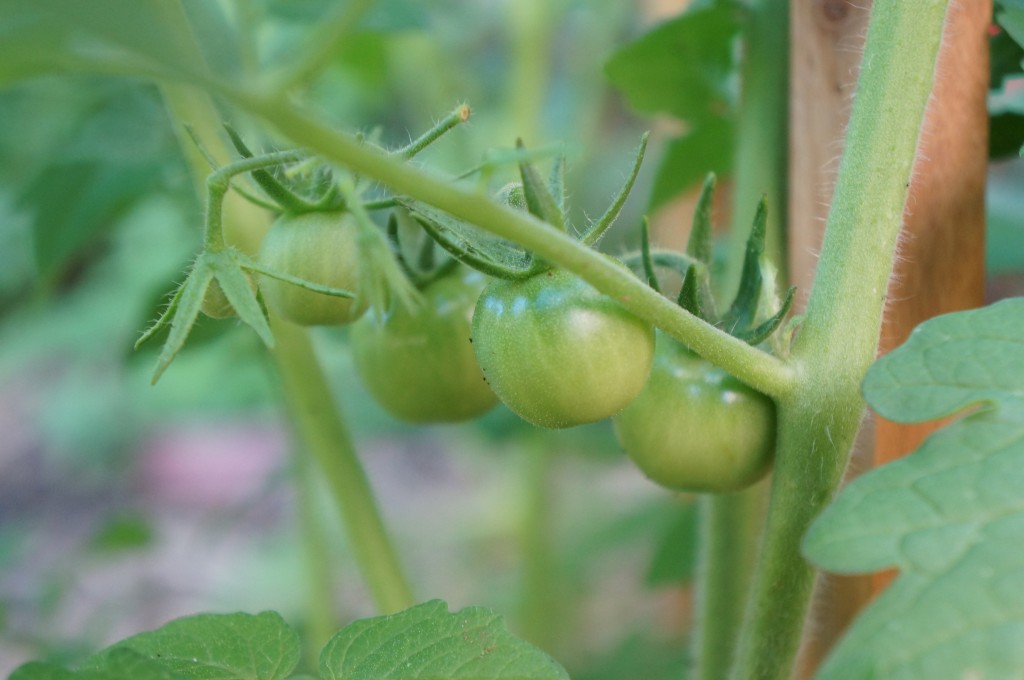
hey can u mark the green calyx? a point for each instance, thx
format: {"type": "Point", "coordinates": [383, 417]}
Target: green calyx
{"type": "Point", "coordinates": [746, 317]}
{"type": "Point", "coordinates": [544, 199]}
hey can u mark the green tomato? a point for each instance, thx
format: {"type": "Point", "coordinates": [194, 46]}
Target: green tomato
{"type": "Point", "coordinates": [695, 427]}
{"type": "Point", "coordinates": [558, 352]}
{"type": "Point", "coordinates": [320, 247]}
{"type": "Point", "coordinates": [418, 363]}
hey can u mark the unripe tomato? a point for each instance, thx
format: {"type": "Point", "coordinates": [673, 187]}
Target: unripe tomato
{"type": "Point", "coordinates": [557, 351]}
{"type": "Point", "coordinates": [418, 363]}
{"type": "Point", "coordinates": [320, 247]}
{"type": "Point", "coordinates": [695, 427]}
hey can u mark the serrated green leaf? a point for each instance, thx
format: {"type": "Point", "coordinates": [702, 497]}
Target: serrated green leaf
{"type": "Point", "coordinates": [215, 647]}
{"type": "Point", "coordinates": [122, 663]}
{"type": "Point", "coordinates": [40, 670]}
{"type": "Point", "coordinates": [426, 642]}
{"type": "Point", "coordinates": [950, 516]}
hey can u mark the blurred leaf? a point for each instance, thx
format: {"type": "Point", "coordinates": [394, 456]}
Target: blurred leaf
{"type": "Point", "coordinates": [950, 516]}
{"type": "Point", "coordinates": [76, 182]}
{"type": "Point", "coordinates": [1006, 133]}
{"type": "Point", "coordinates": [688, 159]}
{"type": "Point", "coordinates": [1011, 17]}
{"type": "Point", "coordinates": [426, 641]}
{"type": "Point", "coordinates": [121, 533]}
{"type": "Point", "coordinates": [675, 556]}
{"type": "Point", "coordinates": [1006, 117]}
{"type": "Point", "coordinates": [384, 15]}
{"type": "Point", "coordinates": [215, 647]}
{"type": "Point", "coordinates": [74, 202]}
{"type": "Point", "coordinates": [1005, 57]}
{"type": "Point", "coordinates": [683, 67]}
{"type": "Point", "coordinates": [1004, 228]}
{"type": "Point", "coordinates": [73, 35]}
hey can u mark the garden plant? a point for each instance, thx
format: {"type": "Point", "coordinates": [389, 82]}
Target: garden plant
{"type": "Point", "coordinates": [459, 290]}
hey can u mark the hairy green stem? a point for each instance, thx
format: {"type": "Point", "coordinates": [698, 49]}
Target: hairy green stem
{"type": "Point", "coordinates": [839, 337]}
{"type": "Point", "coordinates": [321, 619]}
{"type": "Point", "coordinates": [312, 409]}
{"type": "Point", "coordinates": [761, 135]}
{"type": "Point", "coordinates": [538, 609]}
{"type": "Point", "coordinates": [730, 524]}
{"type": "Point", "coordinates": [755, 367]}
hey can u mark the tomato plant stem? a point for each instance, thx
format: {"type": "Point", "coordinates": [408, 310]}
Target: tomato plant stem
{"type": "Point", "coordinates": [539, 605]}
{"type": "Point", "coordinates": [761, 137]}
{"type": "Point", "coordinates": [839, 337]}
{"type": "Point", "coordinates": [728, 531]}
{"type": "Point", "coordinates": [731, 524]}
{"type": "Point", "coordinates": [314, 413]}
{"type": "Point", "coordinates": [321, 619]}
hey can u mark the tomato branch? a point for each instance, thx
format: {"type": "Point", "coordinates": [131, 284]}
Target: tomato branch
{"type": "Point", "coordinates": [755, 367]}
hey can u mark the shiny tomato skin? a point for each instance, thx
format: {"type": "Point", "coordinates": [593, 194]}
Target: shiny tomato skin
{"type": "Point", "coordinates": [320, 247]}
{"type": "Point", "coordinates": [558, 352]}
{"type": "Point", "coordinates": [418, 363]}
{"type": "Point", "coordinates": [695, 427]}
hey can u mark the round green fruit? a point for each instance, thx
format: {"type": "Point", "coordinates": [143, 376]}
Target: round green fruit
{"type": "Point", "coordinates": [695, 427]}
{"type": "Point", "coordinates": [418, 363]}
{"type": "Point", "coordinates": [320, 247]}
{"type": "Point", "coordinates": [558, 352]}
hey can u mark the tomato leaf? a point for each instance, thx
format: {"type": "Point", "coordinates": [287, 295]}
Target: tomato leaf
{"type": "Point", "coordinates": [40, 670]}
{"type": "Point", "coordinates": [426, 641]}
{"type": "Point", "coordinates": [210, 647]}
{"type": "Point", "coordinates": [685, 67]}
{"type": "Point", "coordinates": [950, 516]}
